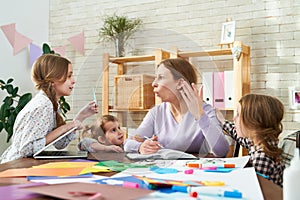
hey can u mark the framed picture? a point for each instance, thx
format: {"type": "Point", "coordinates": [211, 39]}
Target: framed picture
{"type": "Point", "coordinates": [228, 32]}
{"type": "Point", "coordinates": [294, 97]}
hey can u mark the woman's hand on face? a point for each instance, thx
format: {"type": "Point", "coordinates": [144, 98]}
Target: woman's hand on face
{"type": "Point", "coordinates": [193, 99]}
{"type": "Point", "coordinates": [149, 147]}
{"type": "Point", "coordinates": [88, 110]}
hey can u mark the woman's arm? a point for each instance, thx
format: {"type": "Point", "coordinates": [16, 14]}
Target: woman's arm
{"type": "Point", "coordinates": [212, 130]}
{"type": "Point", "coordinates": [146, 128]}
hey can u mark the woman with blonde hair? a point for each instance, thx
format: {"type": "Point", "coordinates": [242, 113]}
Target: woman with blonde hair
{"type": "Point", "coordinates": [183, 121]}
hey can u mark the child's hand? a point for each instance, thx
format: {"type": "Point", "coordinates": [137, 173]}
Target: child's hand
{"type": "Point", "coordinates": [114, 148]}
{"type": "Point", "coordinates": [87, 111]}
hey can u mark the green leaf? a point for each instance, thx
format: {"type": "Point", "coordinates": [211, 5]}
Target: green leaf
{"type": "Point", "coordinates": [11, 120]}
{"type": "Point", "coordinates": [15, 92]}
{"type": "Point", "coordinates": [9, 88]}
{"type": "Point", "coordinates": [1, 126]}
{"type": "Point", "coordinates": [8, 101]}
{"type": "Point", "coordinates": [24, 99]}
{"type": "Point", "coordinates": [46, 49]}
{"type": "Point", "coordinates": [9, 131]}
{"type": "Point", "coordinates": [2, 82]}
{"type": "Point", "coordinates": [10, 80]}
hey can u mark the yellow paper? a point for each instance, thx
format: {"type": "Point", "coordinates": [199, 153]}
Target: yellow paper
{"type": "Point", "coordinates": [65, 165]}
{"type": "Point", "coordinates": [95, 169]}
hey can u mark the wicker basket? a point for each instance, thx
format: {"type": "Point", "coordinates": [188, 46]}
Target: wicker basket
{"type": "Point", "coordinates": [134, 92]}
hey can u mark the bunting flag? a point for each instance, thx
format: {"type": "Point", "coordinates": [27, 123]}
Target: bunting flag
{"type": "Point", "coordinates": [16, 39]}
{"type": "Point", "coordinates": [21, 42]}
{"type": "Point", "coordinates": [9, 31]}
{"type": "Point", "coordinates": [77, 42]}
{"type": "Point", "coordinates": [61, 50]}
{"type": "Point", "coordinates": [35, 52]}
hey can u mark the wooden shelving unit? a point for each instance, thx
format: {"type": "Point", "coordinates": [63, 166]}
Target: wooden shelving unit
{"type": "Point", "coordinates": [241, 68]}
{"type": "Point", "coordinates": [121, 62]}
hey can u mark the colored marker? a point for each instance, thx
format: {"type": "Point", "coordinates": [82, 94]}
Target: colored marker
{"type": "Point", "coordinates": [194, 165]}
{"type": "Point", "coordinates": [262, 175]}
{"type": "Point", "coordinates": [228, 165]}
{"type": "Point", "coordinates": [147, 138]}
{"type": "Point", "coordinates": [94, 94]}
{"type": "Point", "coordinates": [215, 192]}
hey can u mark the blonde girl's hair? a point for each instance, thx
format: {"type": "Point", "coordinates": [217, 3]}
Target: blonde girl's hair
{"type": "Point", "coordinates": [47, 69]}
{"type": "Point", "coordinates": [262, 115]}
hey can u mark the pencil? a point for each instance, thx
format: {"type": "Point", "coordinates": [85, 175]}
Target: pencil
{"type": "Point", "coordinates": [147, 138]}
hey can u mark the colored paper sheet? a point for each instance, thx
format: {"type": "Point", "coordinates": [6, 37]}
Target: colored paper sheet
{"type": "Point", "coordinates": [69, 179]}
{"type": "Point", "coordinates": [119, 166]}
{"type": "Point", "coordinates": [41, 172]}
{"type": "Point", "coordinates": [95, 169]}
{"type": "Point", "coordinates": [66, 165]}
{"type": "Point", "coordinates": [30, 178]}
{"type": "Point", "coordinates": [64, 191]}
{"type": "Point", "coordinates": [16, 192]}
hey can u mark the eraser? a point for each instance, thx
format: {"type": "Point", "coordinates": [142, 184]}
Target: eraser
{"type": "Point", "coordinates": [189, 171]}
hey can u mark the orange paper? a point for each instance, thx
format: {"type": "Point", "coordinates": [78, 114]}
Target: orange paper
{"type": "Point", "coordinates": [41, 172]}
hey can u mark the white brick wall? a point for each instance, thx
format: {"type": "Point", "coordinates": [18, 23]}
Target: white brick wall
{"type": "Point", "coordinates": [270, 28]}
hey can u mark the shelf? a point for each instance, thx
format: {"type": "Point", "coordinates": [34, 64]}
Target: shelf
{"type": "Point", "coordinates": [120, 60]}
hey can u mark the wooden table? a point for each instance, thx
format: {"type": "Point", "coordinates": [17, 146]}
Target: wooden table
{"type": "Point", "coordinates": [270, 190]}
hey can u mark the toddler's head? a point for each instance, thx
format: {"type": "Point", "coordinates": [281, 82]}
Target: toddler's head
{"type": "Point", "coordinates": [107, 131]}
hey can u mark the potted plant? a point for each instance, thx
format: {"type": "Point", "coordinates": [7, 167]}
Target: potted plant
{"type": "Point", "coordinates": [13, 103]}
{"type": "Point", "coordinates": [119, 29]}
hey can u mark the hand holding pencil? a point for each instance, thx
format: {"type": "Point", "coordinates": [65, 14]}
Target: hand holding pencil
{"type": "Point", "coordinates": [150, 145]}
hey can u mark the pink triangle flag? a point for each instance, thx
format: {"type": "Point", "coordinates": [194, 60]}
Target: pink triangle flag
{"type": "Point", "coordinates": [9, 31]}
{"type": "Point", "coordinates": [61, 50]}
{"type": "Point", "coordinates": [77, 42]}
{"type": "Point", "coordinates": [21, 42]}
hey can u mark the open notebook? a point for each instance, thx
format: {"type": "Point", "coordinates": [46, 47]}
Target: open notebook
{"type": "Point", "coordinates": [164, 154]}
{"type": "Point", "coordinates": [43, 154]}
